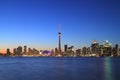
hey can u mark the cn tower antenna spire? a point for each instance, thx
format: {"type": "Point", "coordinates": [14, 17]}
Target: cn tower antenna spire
{"type": "Point", "coordinates": [59, 27]}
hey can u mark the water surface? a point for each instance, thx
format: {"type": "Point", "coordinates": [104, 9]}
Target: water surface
{"type": "Point", "coordinates": [53, 68]}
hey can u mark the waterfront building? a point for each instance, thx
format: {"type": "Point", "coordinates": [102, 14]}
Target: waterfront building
{"type": "Point", "coordinates": [84, 51]}
{"type": "Point", "coordinates": [52, 53]}
{"type": "Point", "coordinates": [25, 49]}
{"type": "Point", "coordinates": [95, 48]}
{"type": "Point", "coordinates": [88, 52]}
{"type": "Point", "coordinates": [70, 48]}
{"type": "Point", "coordinates": [115, 50]}
{"type": "Point", "coordinates": [70, 51]}
{"type": "Point", "coordinates": [56, 51]}
{"type": "Point", "coordinates": [8, 52]}
{"type": "Point", "coordinates": [35, 51]}
{"type": "Point", "coordinates": [19, 50]}
{"type": "Point", "coordinates": [65, 47]}
{"type": "Point", "coordinates": [78, 52]}
{"type": "Point", "coordinates": [29, 50]}
{"type": "Point", "coordinates": [46, 53]}
{"type": "Point", "coordinates": [107, 49]}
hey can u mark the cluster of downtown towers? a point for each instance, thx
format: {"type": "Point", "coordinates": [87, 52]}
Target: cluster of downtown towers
{"type": "Point", "coordinates": [94, 50]}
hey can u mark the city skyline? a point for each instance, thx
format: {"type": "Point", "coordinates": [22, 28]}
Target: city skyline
{"type": "Point", "coordinates": [106, 43]}
{"type": "Point", "coordinates": [95, 49]}
{"type": "Point", "coordinates": [35, 23]}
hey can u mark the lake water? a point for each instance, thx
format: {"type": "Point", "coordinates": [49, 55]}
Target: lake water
{"type": "Point", "coordinates": [53, 68]}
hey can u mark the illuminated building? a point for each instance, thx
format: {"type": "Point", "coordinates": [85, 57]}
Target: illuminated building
{"type": "Point", "coordinates": [95, 47]}
{"type": "Point", "coordinates": [88, 51]}
{"type": "Point", "coordinates": [46, 53]}
{"type": "Point", "coordinates": [107, 49]}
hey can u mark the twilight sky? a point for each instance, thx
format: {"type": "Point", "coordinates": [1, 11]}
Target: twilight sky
{"type": "Point", "coordinates": [35, 22]}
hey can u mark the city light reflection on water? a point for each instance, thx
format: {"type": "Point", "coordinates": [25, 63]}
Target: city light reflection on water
{"type": "Point", "coordinates": [108, 69]}
{"type": "Point", "coordinates": [52, 68]}
{"type": "Point", "coordinates": [58, 69]}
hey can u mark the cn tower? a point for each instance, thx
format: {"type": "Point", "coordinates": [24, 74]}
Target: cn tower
{"type": "Point", "coordinates": [59, 40]}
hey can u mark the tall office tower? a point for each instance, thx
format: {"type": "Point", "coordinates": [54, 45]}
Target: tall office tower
{"type": "Point", "coordinates": [95, 47]}
{"type": "Point", "coordinates": [25, 49]}
{"type": "Point", "coordinates": [56, 51]}
{"type": "Point", "coordinates": [19, 50]}
{"type": "Point", "coordinates": [65, 47]}
{"type": "Point", "coordinates": [8, 51]}
{"type": "Point", "coordinates": [59, 40]}
{"type": "Point", "coordinates": [107, 48]}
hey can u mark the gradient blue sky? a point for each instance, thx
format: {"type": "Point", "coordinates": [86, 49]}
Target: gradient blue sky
{"type": "Point", "coordinates": [35, 22]}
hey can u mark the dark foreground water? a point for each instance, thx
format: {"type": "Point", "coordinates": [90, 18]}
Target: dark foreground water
{"type": "Point", "coordinates": [51, 68]}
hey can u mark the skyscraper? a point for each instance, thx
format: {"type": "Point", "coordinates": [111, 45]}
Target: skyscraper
{"type": "Point", "coordinates": [19, 50]}
{"type": "Point", "coordinates": [107, 49]}
{"type": "Point", "coordinates": [25, 49]}
{"type": "Point", "coordinates": [59, 40]}
{"type": "Point", "coordinates": [95, 47]}
{"type": "Point", "coordinates": [8, 51]}
{"type": "Point", "coordinates": [65, 47]}
{"type": "Point", "coordinates": [56, 51]}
